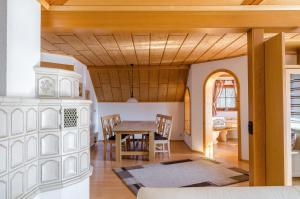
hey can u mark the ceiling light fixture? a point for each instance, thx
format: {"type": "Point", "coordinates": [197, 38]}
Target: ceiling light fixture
{"type": "Point", "coordinates": [132, 99]}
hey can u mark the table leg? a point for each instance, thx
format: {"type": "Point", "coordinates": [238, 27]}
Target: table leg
{"type": "Point", "coordinates": [118, 147]}
{"type": "Point", "coordinates": [151, 147]}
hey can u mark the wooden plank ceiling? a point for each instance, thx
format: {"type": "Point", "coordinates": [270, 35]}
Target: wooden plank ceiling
{"type": "Point", "coordinates": [161, 59]}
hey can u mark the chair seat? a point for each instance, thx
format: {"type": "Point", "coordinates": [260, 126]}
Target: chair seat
{"type": "Point", "coordinates": [158, 136]}
{"type": "Point", "coordinates": [114, 137]}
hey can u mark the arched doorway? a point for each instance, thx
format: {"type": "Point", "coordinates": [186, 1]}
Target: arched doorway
{"type": "Point", "coordinates": [187, 112]}
{"type": "Point", "coordinates": [216, 126]}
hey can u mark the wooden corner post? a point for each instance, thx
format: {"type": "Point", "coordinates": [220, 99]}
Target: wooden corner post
{"type": "Point", "coordinates": [257, 116]}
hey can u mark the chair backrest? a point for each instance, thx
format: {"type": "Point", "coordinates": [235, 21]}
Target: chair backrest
{"type": "Point", "coordinates": [116, 119]}
{"type": "Point", "coordinates": [164, 125]}
{"type": "Point", "coordinates": [107, 126]}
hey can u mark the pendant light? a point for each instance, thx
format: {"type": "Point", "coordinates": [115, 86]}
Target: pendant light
{"type": "Point", "coordinates": [132, 99]}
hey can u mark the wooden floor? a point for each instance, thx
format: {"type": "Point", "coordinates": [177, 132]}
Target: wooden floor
{"type": "Point", "coordinates": [104, 184]}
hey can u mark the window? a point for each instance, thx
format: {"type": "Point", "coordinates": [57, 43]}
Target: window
{"type": "Point", "coordinates": [227, 99]}
{"type": "Point", "coordinates": [187, 112]}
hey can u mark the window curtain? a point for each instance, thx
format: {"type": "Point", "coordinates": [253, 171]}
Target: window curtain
{"type": "Point", "coordinates": [219, 84]}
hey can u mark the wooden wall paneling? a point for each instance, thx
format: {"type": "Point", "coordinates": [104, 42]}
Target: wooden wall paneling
{"type": "Point", "coordinates": [157, 47]}
{"type": "Point", "coordinates": [172, 91]}
{"type": "Point", "coordinates": [237, 44]}
{"type": "Point", "coordinates": [117, 94]}
{"type": "Point", "coordinates": [163, 76]}
{"type": "Point", "coordinates": [114, 78]}
{"type": "Point", "coordinates": [172, 47]}
{"type": "Point", "coordinates": [142, 48]}
{"type": "Point", "coordinates": [126, 92]}
{"type": "Point", "coordinates": [202, 47]}
{"type": "Point", "coordinates": [125, 43]}
{"type": "Point", "coordinates": [153, 78]}
{"type": "Point", "coordinates": [153, 85]}
{"type": "Point", "coordinates": [112, 48]}
{"type": "Point", "coordinates": [107, 92]}
{"type": "Point", "coordinates": [124, 77]}
{"type": "Point", "coordinates": [104, 76]}
{"type": "Point", "coordinates": [153, 94]}
{"type": "Point", "coordinates": [275, 112]}
{"type": "Point", "coordinates": [163, 85]}
{"type": "Point", "coordinates": [187, 47]}
{"type": "Point", "coordinates": [99, 93]}
{"type": "Point", "coordinates": [172, 87]}
{"type": "Point", "coordinates": [144, 85]}
{"type": "Point", "coordinates": [125, 84]}
{"type": "Point", "coordinates": [95, 77]}
{"type": "Point", "coordinates": [180, 92]}
{"type": "Point", "coordinates": [183, 75]}
{"type": "Point", "coordinates": [225, 41]}
{"type": "Point", "coordinates": [144, 92]}
{"type": "Point", "coordinates": [173, 76]}
{"type": "Point", "coordinates": [162, 92]}
{"type": "Point", "coordinates": [256, 95]}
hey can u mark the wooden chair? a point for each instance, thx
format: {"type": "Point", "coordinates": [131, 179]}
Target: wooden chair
{"type": "Point", "coordinates": [109, 137]}
{"type": "Point", "coordinates": [163, 135]}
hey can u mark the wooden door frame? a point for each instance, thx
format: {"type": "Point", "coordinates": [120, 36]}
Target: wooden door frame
{"type": "Point", "coordinates": [237, 105]}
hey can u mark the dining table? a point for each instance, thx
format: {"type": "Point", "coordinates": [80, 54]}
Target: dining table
{"type": "Point", "coordinates": [133, 128]}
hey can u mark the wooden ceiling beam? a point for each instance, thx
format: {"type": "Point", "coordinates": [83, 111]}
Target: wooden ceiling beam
{"type": "Point", "coordinates": [252, 2]}
{"type": "Point", "coordinates": [44, 4]}
{"type": "Point", "coordinates": [110, 21]}
{"type": "Point", "coordinates": [173, 8]}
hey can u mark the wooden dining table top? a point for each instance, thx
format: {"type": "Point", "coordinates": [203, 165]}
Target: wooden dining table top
{"type": "Point", "coordinates": [136, 126]}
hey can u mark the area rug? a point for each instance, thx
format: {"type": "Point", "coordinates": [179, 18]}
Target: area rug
{"type": "Point", "coordinates": [181, 173]}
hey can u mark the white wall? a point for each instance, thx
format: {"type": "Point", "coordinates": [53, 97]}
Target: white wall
{"type": "Point", "coordinates": [23, 46]}
{"type": "Point", "coordinates": [3, 46]}
{"type": "Point", "coordinates": [147, 112]}
{"type": "Point", "coordinates": [20, 46]}
{"type": "Point", "coordinates": [197, 76]}
{"type": "Point", "coordinates": [86, 81]}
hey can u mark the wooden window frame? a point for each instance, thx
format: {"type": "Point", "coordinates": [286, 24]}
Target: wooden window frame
{"type": "Point", "coordinates": [228, 109]}
{"type": "Point", "coordinates": [187, 131]}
